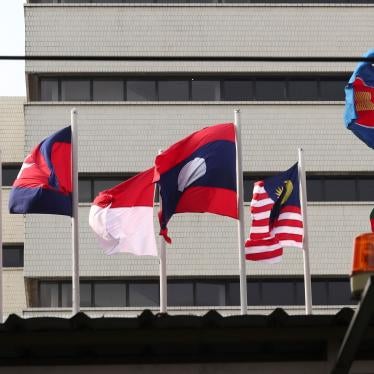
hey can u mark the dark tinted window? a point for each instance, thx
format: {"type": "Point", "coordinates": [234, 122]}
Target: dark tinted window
{"type": "Point", "coordinates": [278, 293]}
{"type": "Point", "coordinates": [143, 294]}
{"type": "Point", "coordinates": [270, 89]}
{"type": "Point", "coordinates": [108, 90]}
{"type": "Point", "coordinates": [86, 294]}
{"type": "Point", "coordinates": [314, 189]}
{"type": "Point", "coordinates": [332, 89]}
{"type": "Point", "coordinates": [339, 293]}
{"type": "Point", "coordinates": [302, 89]}
{"type": "Point", "coordinates": [49, 294]}
{"type": "Point", "coordinates": [205, 90]}
{"type": "Point", "coordinates": [238, 90]}
{"type": "Point", "coordinates": [340, 189]}
{"type": "Point", "coordinates": [12, 256]}
{"type": "Point", "coordinates": [10, 174]}
{"type": "Point", "coordinates": [110, 294]}
{"type": "Point", "coordinates": [103, 184]}
{"type": "Point", "coordinates": [365, 189]}
{"type": "Point", "coordinates": [210, 293]}
{"type": "Point", "coordinates": [319, 293]}
{"type": "Point", "coordinates": [84, 189]}
{"type": "Point", "coordinates": [173, 90]}
{"type": "Point", "coordinates": [49, 90]}
{"type": "Point", "coordinates": [139, 90]}
{"type": "Point", "coordinates": [180, 294]}
{"type": "Point", "coordinates": [75, 90]}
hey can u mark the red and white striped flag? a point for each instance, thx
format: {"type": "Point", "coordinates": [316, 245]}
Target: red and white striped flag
{"type": "Point", "coordinates": [276, 217]}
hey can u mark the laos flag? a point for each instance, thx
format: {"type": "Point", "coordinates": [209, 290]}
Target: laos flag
{"type": "Point", "coordinates": [359, 102]}
{"type": "Point", "coordinates": [198, 174]}
{"type": "Point", "coordinates": [43, 184]}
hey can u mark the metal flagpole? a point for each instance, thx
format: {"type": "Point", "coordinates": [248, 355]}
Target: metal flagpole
{"type": "Point", "coordinates": [1, 241]}
{"type": "Point", "coordinates": [303, 201]}
{"type": "Point", "coordinates": [163, 280]}
{"type": "Point", "coordinates": [74, 218]}
{"type": "Point", "coordinates": [239, 186]}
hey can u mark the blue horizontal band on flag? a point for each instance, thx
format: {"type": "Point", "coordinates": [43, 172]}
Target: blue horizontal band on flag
{"type": "Point", "coordinates": [39, 200]}
{"type": "Point", "coordinates": [219, 157]}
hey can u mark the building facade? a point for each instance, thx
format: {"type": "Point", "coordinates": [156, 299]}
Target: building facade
{"type": "Point", "coordinates": [128, 110]}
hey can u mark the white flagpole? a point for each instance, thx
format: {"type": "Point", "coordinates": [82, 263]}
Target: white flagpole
{"type": "Point", "coordinates": [1, 240]}
{"type": "Point", "coordinates": [303, 201]}
{"type": "Point", "coordinates": [163, 280]}
{"type": "Point", "coordinates": [74, 218]}
{"type": "Point", "coordinates": [239, 187]}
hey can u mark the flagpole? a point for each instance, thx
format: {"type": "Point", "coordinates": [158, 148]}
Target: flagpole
{"type": "Point", "coordinates": [1, 241]}
{"type": "Point", "coordinates": [74, 218]}
{"type": "Point", "coordinates": [239, 186]}
{"type": "Point", "coordinates": [163, 280]}
{"type": "Point", "coordinates": [303, 201]}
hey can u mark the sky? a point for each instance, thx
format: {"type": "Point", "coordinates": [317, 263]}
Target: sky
{"type": "Point", "coordinates": [12, 42]}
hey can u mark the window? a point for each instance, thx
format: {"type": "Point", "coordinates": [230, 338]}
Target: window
{"type": "Point", "coordinates": [173, 90]}
{"type": "Point", "coordinates": [75, 90]}
{"type": "Point", "coordinates": [108, 90]}
{"type": "Point", "coordinates": [10, 174]}
{"type": "Point", "coordinates": [12, 256]}
{"type": "Point", "coordinates": [240, 90]}
{"type": "Point", "coordinates": [103, 184]}
{"type": "Point", "coordinates": [143, 294]}
{"type": "Point", "coordinates": [49, 294]}
{"type": "Point", "coordinates": [332, 89]}
{"type": "Point", "coordinates": [141, 90]}
{"type": "Point", "coordinates": [110, 294]}
{"type": "Point", "coordinates": [180, 293]}
{"type": "Point", "coordinates": [302, 89]}
{"type": "Point", "coordinates": [49, 90]}
{"type": "Point", "coordinates": [205, 90]}
{"type": "Point", "coordinates": [210, 293]}
{"type": "Point", "coordinates": [340, 189]}
{"type": "Point", "coordinates": [270, 89]}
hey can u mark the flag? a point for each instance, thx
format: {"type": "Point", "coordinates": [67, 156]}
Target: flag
{"type": "Point", "coordinates": [372, 220]}
{"type": "Point", "coordinates": [44, 184]}
{"type": "Point", "coordinates": [198, 174]}
{"type": "Point", "coordinates": [122, 216]}
{"type": "Point", "coordinates": [276, 217]}
{"type": "Point", "coordinates": [359, 102]}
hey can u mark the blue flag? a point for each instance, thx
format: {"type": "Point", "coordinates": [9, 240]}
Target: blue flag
{"type": "Point", "coordinates": [359, 102]}
{"type": "Point", "coordinates": [44, 184]}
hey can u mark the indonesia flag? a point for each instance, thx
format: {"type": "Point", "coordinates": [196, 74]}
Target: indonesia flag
{"type": "Point", "coordinates": [276, 217]}
{"type": "Point", "coordinates": [198, 174]}
{"type": "Point", "coordinates": [122, 217]}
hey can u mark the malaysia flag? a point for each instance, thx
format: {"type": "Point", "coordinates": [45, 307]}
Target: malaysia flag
{"type": "Point", "coordinates": [276, 217]}
{"type": "Point", "coordinates": [359, 102]}
{"type": "Point", "coordinates": [198, 174]}
{"type": "Point", "coordinates": [122, 216]}
{"type": "Point", "coordinates": [43, 184]}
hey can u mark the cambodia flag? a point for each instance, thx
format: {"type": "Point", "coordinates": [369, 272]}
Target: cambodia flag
{"type": "Point", "coordinates": [198, 174]}
{"type": "Point", "coordinates": [359, 102]}
{"type": "Point", "coordinates": [276, 217]}
{"type": "Point", "coordinates": [122, 216]}
{"type": "Point", "coordinates": [43, 184]}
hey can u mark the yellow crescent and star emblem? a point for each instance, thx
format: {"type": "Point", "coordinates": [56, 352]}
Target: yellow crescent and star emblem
{"type": "Point", "coordinates": [284, 191]}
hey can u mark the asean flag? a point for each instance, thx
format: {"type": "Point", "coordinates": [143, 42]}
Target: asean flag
{"type": "Point", "coordinates": [43, 184]}
{"type": "Point", "coordinates": [122, 217]}
{"type": "Point", "coordinates": [359, 102]}
{"type": "Point", "coordinates": [198, 174]}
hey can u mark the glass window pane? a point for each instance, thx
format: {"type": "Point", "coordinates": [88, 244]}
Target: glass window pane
{"type": "Point", "coordinates": [108, 90]}
{"type": "Point", "coordinates": [300, 292]}
{"type": "Point", "coordinates": [143, 294]}
{"type": "Point", "coordinates": [141, 90]}
{"type": "Point", "coordinates": [85, 195]}
{"type": "Point", "coordinates": [340, 190]}
{"type": "Point", "coordinates": [278, 293]}
{"type": "Point", "coordinates": [110, 294]}
{"type": "Point", "coordinates": [205, 90]}
{"type": "Point", "coordinates": [173, 90]}
{"type": "Point", "coordinates": [180, 294]}
{"type": "Point", "coordinates": [302, 89]}
{"type": "Point", "coordinates": [10, 174]}
{"type": "Point", "coordinates": [210, 293]}
{"type": "Point", "coordinates": [75, 90]}
{"type": "Point", "coordinates": [366, 189]}
{"type": "Point", "coordinates": [339, 293]}
{"type": "Point", "coordinates": [332, 89]}
{"type": "Point", "coordinates": [49, 90]}
{"type": "Point", "coordinates": [253, 293]}
{"type": "Point", "coordinates": [104, 184]}
{"type": "Point", "coordinates": [85, 295]}
{"type": "Point", "coordinates": [12, 257]}
{"type": "Point", "coordinates": [319, 292]}
{"type": "Point", "coordinates": [274, 89]}
{"type": "Point", "coordinates": [314, 189]}
{"type": "Point", "coordinates": [248, 188]}
{"type": "Point", "coordinates": [238, 90]}
{"type": "Point", "coordinates": [48, 294]}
